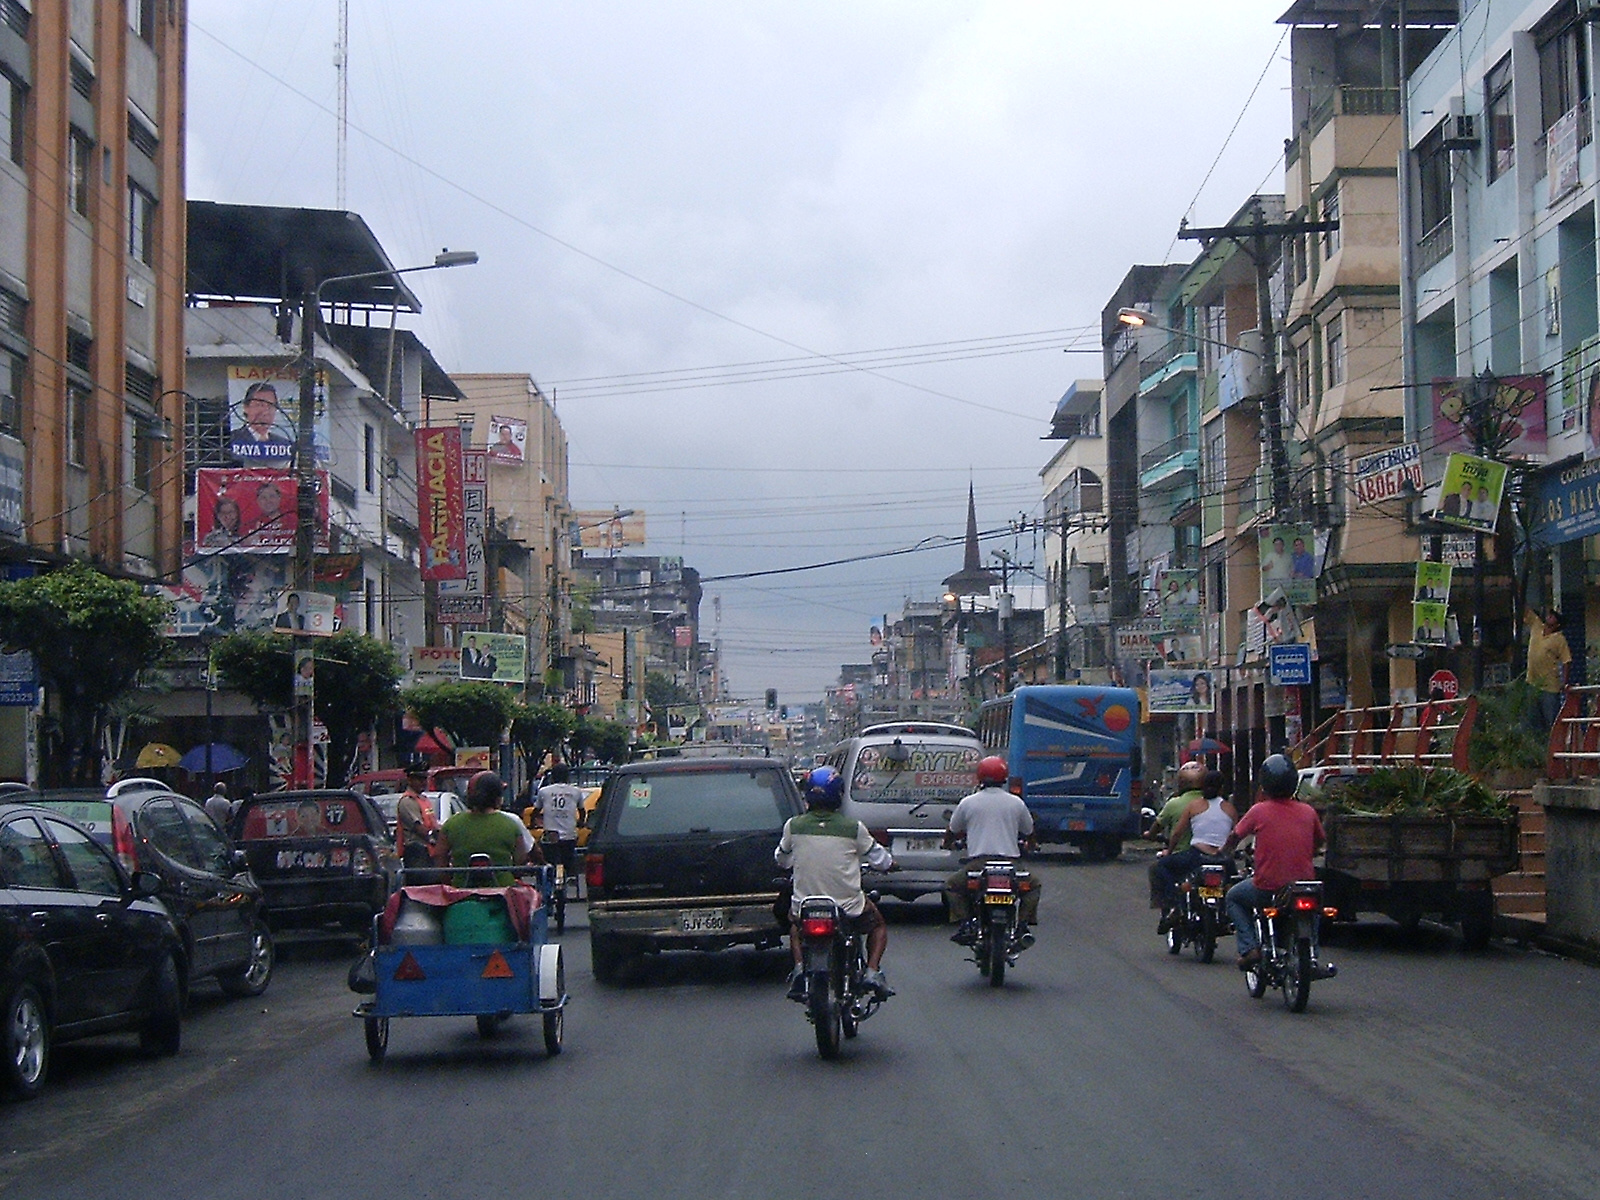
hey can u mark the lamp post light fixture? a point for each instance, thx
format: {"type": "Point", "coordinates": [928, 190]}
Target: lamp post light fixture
{"type": "Point", "coordinates": [306, 466]}
{"type": "Point", "coordinates": [1137, 318]}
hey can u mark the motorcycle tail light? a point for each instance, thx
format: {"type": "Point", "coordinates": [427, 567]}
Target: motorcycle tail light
{"type": "Point", "coordinates": [1269, 913]}
{"type": "Point", "coordinates": [1330, 912]}
{"type": "Point", "coordinates": [999, 883]}
{"type": "Point", "coordinates": [881, 836]}
{"type": "Point", "coordinates": [1014, 785]}
{"type": "Point", "coordinates": [974, 883]}
{"type": "Point", "coordinates": [1305, 904]}
{"type": "Point", "coordinates": [817, 927]}
{"type": "Point", "coordinates": [1211, 879]}
{"type": "Point", "coordinates": [594, 870]}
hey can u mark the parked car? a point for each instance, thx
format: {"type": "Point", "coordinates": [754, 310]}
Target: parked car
{"type": "Point", "coordinates": [322, 858]}
{"type": "Point", "coordinates": [205, 882]}
{"type": "Point", "coordinates": [393, 781]}
{"type": "Point", "coordinates": [85, 948]}
{"type": "Point", "coordinates": [680, 858]}
{"type": "Point", "coordinates": [444, 804]}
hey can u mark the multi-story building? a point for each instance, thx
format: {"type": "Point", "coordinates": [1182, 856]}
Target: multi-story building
{"type": "Point", "coordinates": [655, 597]}
{"type": "Point", "coordinates": [1077, 598]}
{"type": "Point", "coordinates": [91, 290]}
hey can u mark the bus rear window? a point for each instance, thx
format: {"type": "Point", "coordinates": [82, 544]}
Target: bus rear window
{"type": "Point", "coordinates": [936, 773]}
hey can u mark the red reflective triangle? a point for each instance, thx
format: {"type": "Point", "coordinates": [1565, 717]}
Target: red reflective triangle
{"type": "Point", "coordinates": [498, 968]}
{"type": "Point", "coordinates": [409, 970]}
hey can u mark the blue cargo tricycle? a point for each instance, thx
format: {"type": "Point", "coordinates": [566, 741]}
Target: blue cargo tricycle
{"type": "Point", "coordinates": [494, 963]}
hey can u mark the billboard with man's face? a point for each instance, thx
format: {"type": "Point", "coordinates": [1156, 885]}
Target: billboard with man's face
{"type": "Point", "coordinates": [264, 411]}
{"type": "Point", "coordinates": [249, 511]}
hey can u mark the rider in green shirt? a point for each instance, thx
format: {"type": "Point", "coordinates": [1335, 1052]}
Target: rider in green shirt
{"type": "Point", "coordinates": [484, 829]}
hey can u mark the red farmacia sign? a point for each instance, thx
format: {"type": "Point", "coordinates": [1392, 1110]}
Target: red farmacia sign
{"type": "Point", "coordinates": [441, 510]}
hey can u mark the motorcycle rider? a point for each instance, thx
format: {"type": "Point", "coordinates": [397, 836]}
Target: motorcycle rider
{"type": "Point", "coordinates": [1288, 834]}
{"type": "Point", "coordinates": [993, 820]}
{"type": "Point", "coordinates": [1190, 777]}
{"type": "Point", "coordinates": [1205, 824]}
{"type": "Point", "coordinates": [825, 850]}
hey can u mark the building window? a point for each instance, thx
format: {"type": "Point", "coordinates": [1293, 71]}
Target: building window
{"type": "Point", "coordinates": [145, 447]}
{"type": "Point", "coordinates": [80, 151]}
{"type": "Point", "coordinates": [142, 138]}
{"type": "Point", "coordinates": [13, 368]}
{"type": "Point", "coordinates": [1433, 177]}
{"type": "Point", "coordinates": [80, 350]}
{"type": "Point", "coordinates": [141, 225]}
{"type": "Point", "coordinates": [1335, 346]}
{"type": "Point", "coordinates": [13, 102]}
{"type": "Point", "coordinates": [1563, 68]}
{"type": "Point", "coordinates": [1497, 116]}
{"type": "Point", "coordinates": [77, 425]}
{"type": "Point", "coordinates": [1215, 467]}
{"type": "Point", "coordinates": [205, 441]}
{"type": "Point", "coordinates": [1330, 212]}
{"type": "Point", "coordinates": [142, 20]}
{"type": "Point", "coordinates": [369, 458]}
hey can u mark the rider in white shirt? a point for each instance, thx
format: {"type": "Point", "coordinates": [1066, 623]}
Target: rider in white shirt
{"type": "Point", "coordinates": [995, 823]}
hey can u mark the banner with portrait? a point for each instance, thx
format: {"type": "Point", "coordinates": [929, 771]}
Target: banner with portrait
{"type": "Point", "coordinates": [496, 657]}
{"type": "Point", "coordinates": [249, 510]}
{"type": "Point", "coordinates": [1469, 495]}
{"type": "Point", "coordinates": [1429, 622]}
{"type": "Point", "coordinates": [264, 414]}
{"type": "Point", "coordinates": [508, 440]}
{"type": "Point", "coordinates": [1289, 563]}
{"type": "Point", "coordinates": [1433, 583]}
{"type": "Point", "coordinates": [1179, 691]}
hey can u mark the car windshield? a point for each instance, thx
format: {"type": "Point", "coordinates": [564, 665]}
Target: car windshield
{"type": "Point", "coordinates": [308, 816]}
{"type": "Point", "coordinates": [700, 802]}
{"type": "Point", "coordinates": [936, 771]}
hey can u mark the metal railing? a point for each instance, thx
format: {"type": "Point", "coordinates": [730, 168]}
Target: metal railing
{"type": "Point", "coordinates": [1348, 100]}
{"type": "Point", "coordinates": [1424, 733]}
{"type": "Point", "coordinates": [1184, 443]}
{"type": "Point", "coordinates": [1574, 750]}
{"type": "Point", "coordinates": [1436, 245]}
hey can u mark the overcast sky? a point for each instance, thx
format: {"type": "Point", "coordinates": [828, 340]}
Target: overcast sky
{"type": "Point", "coordinates": [748, 190]}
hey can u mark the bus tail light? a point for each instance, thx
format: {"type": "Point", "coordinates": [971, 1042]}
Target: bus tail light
{"type": "Point", "coordinates": [1014, 785]}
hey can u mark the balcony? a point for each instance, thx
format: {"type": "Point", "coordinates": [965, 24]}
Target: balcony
{"type": "Point", "coordinates": [1541, 148]}
{"type": "Point", "coordinates": [1175, 359]}
{"type": "Point", "coordinates": [1348, 101]}
{"type": "Point", "coordinates": [1435, 245]}
{"type": "Point", "coordinates": [1172, 463]}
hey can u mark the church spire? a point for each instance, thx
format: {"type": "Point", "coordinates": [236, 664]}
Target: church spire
{"type": "Point", "coordinates": [972, 579]}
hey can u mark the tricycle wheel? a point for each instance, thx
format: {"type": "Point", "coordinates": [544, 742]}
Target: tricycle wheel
{"type": "Point", "coordinates": [553, 1022]}
{"type": "Point", "coordinates": [1477, 923]}
{"type": "Point", "coordinates": [377, 1030]}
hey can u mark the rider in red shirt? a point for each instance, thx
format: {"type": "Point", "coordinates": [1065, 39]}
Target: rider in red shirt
{"type": "Point", "coordinates": [1288, 833]}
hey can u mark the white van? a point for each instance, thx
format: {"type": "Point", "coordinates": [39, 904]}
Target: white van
{"type": "Point", "coordinates": [903, 780]}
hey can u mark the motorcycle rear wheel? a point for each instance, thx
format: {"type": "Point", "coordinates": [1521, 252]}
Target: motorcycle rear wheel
{"type": "Point", "coordinates": [1205, 942]}
{"type": "Point", "coordinates": [826, 1017]}
{"type": "Point", "coordinates": [1174, 936]}
{"type": "Point", "coordinates": [997, 955]}
{"type": "Point", "coordinates": [1297, 976]}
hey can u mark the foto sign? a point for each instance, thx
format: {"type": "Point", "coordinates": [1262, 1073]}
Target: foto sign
{"type": "Point", "coordinates": [1289, 666]}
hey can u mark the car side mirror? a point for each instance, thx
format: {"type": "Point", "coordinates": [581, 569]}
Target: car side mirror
{"type": "Point", "coordinates": [240, 861]}
{"type": "Point", "coordinates": [146, 885]}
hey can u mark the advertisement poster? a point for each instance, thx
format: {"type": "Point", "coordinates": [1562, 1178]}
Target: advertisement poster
{"type": "Point", "coordinates": [1433, 582]}
{"type": "Point", "coordinates": [1384, 475]}
{"type": "Point", "coordinates": [13, 480]}
{"type": "Point", "coordinates": [251, 510]}
{"type": "Point", "coordinates": [1179, 691]}
{"type": "Point", "coordinates": [1428, 622]}
{"type": "Point", "coordinates": [498, 657]}
{"type": "Point", "coordinates": [305, 672]}
{"type": "Point", "coordinates": [508, 440]}
{"type": "Point", "coordinates": [435, 664]}
{"type": "Point", "coordinates": [1580, 395]}
{"type": "Point", "coordinates": [1470, 494]}
{"type": "Point", "coordinates": [19, 679]}
{"type": "Point", "coordinates": [467, 599]}
{"type": "Point", "coordinates": [597, 529]}
{"type": "Point", "coordinates": [1518, 399]}
{"type": "Point", "coordinates": [1289, 563]}
{"type": "Point", "coordinates": [264, 411]}
{"type": "Point", "coordinates": [310, 613]}
{"type": "Point", "coordinates": [441, 507]}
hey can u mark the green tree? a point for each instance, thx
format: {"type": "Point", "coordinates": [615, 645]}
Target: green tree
{"type": "Point", "coordinates": [662, 691]}
{"type": "Point", "coordinates": [606, 741]}
{"type": "Point", "coordinates": [539, 729]}
{"type": "Point", "coordinates": [356, 684]}
{"type": "Point", "coordinates": [91, 637]}
{"type": "Point", "coordinates": [472, 712]}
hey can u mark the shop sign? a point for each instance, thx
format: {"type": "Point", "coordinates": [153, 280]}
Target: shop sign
{"type": "Point", "coordinates": [1566, 504]}
{"type": "Point", "coordinates": [1387, 474]}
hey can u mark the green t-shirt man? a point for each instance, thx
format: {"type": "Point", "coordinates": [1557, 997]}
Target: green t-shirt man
{"type": "Point", "coordinates": [1168, 818]}
{"type": "Point", "coordinates": [491, 833]}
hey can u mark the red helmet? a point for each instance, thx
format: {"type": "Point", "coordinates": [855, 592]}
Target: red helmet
{"type": "Point", "coordinates": [992, 771]}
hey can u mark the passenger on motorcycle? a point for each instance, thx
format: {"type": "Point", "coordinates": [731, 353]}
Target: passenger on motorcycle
{"type": "Point", "coordinates": [994, 820]}
{"type": "Point", "coordinates": [1205, 824]}
{"type": "Point", "coordinates": [1190, 777]}
{"type": "Point", "coordinates": [1288, 834]}
{"type": "Point", "coordinates": [825, 850]}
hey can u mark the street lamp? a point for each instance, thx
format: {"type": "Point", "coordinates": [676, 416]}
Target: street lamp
{"type": "Point", "coordinates": [1137, 318]}
{"type": "Point", "coordinates": [305, 457]}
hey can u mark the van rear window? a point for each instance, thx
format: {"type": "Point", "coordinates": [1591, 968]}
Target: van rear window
{"type": "Point", "coordinates": [941, 773]}
{"type": "Point", "coordinates": [694, 802]}
{"type": "Point", "coordinates": [319, 817]}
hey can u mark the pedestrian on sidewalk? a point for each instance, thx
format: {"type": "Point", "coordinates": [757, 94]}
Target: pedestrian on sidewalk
{"type": "Point", "coordinates": [1549, 656]}
{"type": "Point", "coordinates": [218, 807]}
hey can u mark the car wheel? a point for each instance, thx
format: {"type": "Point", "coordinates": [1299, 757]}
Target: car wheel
{"type": "Point", "coordinates": [252, 978]}
{"type": "Point", "coordinates": [162, 1032]}
{"type": "Point", "coordinates": [25, 1041]}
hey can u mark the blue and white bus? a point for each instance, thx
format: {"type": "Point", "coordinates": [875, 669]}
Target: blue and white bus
{"type": "Point", "coordinates": [1073, 754]}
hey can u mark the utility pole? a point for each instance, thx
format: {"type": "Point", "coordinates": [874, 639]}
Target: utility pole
{"type": "Point", "coordinates": [1256, 238]}
{"type": "Point", "coordinates": [305, 530]}
{"type": "Point", "coordinates": [1003, 613]}
{"type": "Point", "coordinates": [1061, 603]}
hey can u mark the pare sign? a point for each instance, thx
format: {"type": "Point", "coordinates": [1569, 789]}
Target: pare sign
{"type": "Point", "coordinates": [1386, 474]}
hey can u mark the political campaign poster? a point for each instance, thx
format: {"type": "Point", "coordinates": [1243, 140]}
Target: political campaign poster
{"type": "Point", "coordinates": [1429, 622]}
{"type": "Point", "coordinates": [1180, 649]}
{"type": "Point", "coordinates": [264, 414]}
{"type": "Point", "coordinates": [250, 510]}
{"type": "Point", "coordinates": [1518, 401]}
{"type": "Point", "coordinates": [1289, 562]}
{"type": "Point", "coordinates": [312, 614]}
{"type": "Point", "coordinates": [1386, 474]}
{"type": "Point", "coordinates": [1433, 582]}
{"type": "Point", "coordinates": [508, 440]}
{"type": "Point", "coordinates": [1179, 691]}
{"type": "Point", "coordinates": [441, 507]}
{"type": "Point", "coordinates": [305, 672]}
{"type": "Point", "coordinates": [466, 600]}
{"type": "Point", "coordinates": [1580, 395]}
{"type": "Point", "coordinates": [1469, 495]}
{"type": "Point", "coordinates": [497, 657]}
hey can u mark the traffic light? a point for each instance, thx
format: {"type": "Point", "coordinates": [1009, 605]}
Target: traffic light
{"type": "Point", "coordinates": [772, 699]}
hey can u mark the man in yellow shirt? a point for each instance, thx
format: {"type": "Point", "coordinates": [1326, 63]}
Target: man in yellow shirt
{"type": "Point", "coordinates": [1548, 656]}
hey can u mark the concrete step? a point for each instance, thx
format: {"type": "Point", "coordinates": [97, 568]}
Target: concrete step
{"type": "Point", "coordinates": [1520, 903]}
{"type": "Point", "coordinates": [1532, 862]}
{"type": "Point", "coordinates": [1531, 822]}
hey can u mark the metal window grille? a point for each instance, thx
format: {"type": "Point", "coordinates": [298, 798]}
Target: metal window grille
{"type": "Point", "coordinates": [82, 80]}
{"type": "Point", "coordinates": [79, 350]}
{"type": "Point", "coordinates": [142, 137]}
{"type": "Point", "coordinates": [205, 443]}
{"type": "Point", "coordinates": [14, 15]}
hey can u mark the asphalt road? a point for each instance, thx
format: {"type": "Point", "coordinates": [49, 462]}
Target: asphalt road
{"type": "Point", "coordinates": [1104, 1068]}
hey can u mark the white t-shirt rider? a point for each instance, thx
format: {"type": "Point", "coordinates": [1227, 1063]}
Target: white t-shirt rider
{"type": "Point", "coordinates": [994, 821]}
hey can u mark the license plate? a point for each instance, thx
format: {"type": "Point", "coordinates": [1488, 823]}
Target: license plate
{"type": "Point", "coordinates": [702, 920]}
{"type": "Point", "coordinates": [1002, 899]}
{"type": "Point", "coordinates": [1210, 893]}
{"type": "Point", "coordinates": [926, 844]}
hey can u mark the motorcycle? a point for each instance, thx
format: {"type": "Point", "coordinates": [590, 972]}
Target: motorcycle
{"type": "Point", "coordinates": [1200, 916]}
{"type": "Point", "coordinates": [833, 959]}
{"type": "Point", "coordinates": [1287, 928]}
{"type": "Point", "coordinates": [994, 891]}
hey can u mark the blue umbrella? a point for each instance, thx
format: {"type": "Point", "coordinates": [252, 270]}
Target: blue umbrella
{"type": "Point", "coordinates": [223, 758]}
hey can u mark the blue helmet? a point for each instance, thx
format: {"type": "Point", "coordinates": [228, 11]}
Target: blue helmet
{"type": "Point", "coordinates": [825, 788]}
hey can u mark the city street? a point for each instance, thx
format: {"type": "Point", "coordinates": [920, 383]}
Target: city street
{"type": "Point", "coordinates": [1103, 1068]}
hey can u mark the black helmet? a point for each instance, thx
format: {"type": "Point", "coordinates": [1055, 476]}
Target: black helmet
{"type": "Point", "coordinates": [1278, 778]}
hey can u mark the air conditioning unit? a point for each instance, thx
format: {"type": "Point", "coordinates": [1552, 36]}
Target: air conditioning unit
{"type": "Point", "coordinates": [1459, 132]}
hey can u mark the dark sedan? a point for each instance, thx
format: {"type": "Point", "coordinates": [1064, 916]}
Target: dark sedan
{"type": "Point", "coordinates": [84, 948]}
{"type": "Point", "coordinates": [322, 858]}
{"type": "Point", "coordinates": [205, 882]}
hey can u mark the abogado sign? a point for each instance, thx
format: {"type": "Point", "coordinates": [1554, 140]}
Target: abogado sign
{"type": "Point", "coordinates": [1384, 475]}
